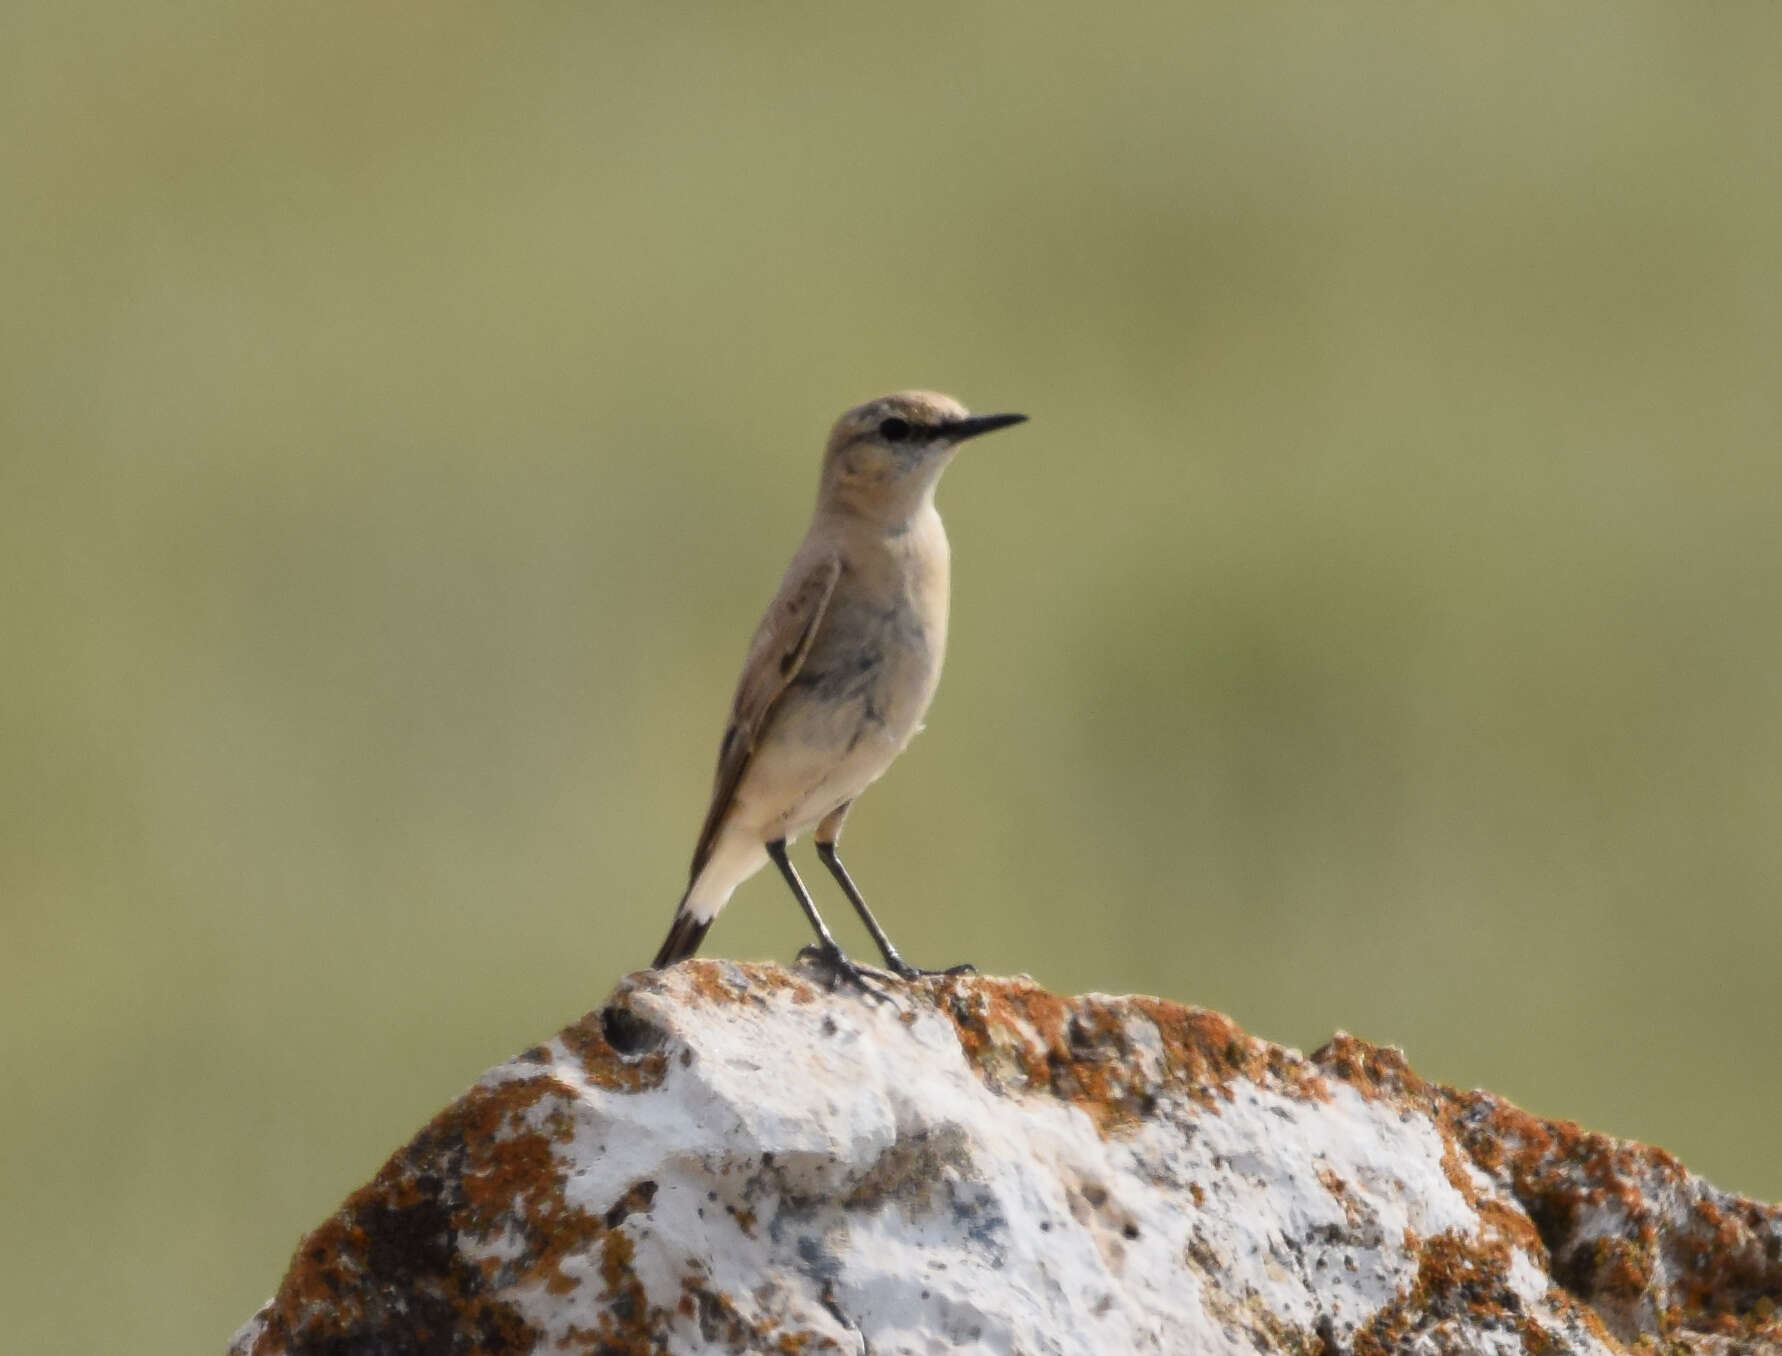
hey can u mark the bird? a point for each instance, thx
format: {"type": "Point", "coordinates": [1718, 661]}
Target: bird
{"type": "Point", "coordinates": [840, 672]}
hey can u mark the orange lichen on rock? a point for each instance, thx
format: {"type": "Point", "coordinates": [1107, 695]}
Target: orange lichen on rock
{"type": "Point", "coordinates": [1643, 1242]}
{"type": "Point", "coordinates": [1111, 1057]}
{"type": "Point", "coordinates": [1461, 1284]}
{"type": "Point", "coordinates": [1375, 1071]}
{"type": "Point", "coordinates": [723, 984]}
{"type": "Point", "coordinates": [390, 1258]}
{"type": "Point", "coordinates": [1204, 1049]}
{"type": "Point", "coordinates": [1624, 1228]}
{"type": "Point", "coordinates": [615, 1049]}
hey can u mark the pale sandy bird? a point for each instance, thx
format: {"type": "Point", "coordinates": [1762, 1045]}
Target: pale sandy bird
{"type": "Point", "coordinates": [841, 669]}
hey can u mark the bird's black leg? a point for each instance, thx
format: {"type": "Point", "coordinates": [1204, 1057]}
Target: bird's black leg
{"type": "Point", "coordinates": [827, 953]}
{"type": "Point", "coordinates": [893, 961]}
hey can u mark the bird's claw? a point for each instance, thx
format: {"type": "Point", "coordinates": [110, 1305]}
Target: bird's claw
{"type": "Point", "coordinates": [838, 969]}
{"type": "Point", "coordinates": [905, 971]}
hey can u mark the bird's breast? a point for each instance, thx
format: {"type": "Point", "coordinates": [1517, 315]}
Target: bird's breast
{"type": "Point", "coordinates": [875, 665]}
{"type": "Point", "coordinates": [876, 658]}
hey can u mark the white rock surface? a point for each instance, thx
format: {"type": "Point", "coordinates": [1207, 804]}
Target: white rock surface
{"type": "Point", "coordinates": [729, 1158]}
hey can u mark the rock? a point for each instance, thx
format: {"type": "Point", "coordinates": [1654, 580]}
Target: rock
{"type": "Point", "coordinates": [730, 1158]}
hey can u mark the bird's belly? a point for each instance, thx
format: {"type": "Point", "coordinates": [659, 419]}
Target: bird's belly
{"type": "Point", "coordinates": [826, 744]}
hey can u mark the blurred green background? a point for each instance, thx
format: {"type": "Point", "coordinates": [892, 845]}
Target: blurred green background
{"type": "Point", "coordinates": [407, 410]}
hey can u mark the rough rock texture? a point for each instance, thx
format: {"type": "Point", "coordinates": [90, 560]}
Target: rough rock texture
{"type": "Point", "coordinates": [729, 1158]}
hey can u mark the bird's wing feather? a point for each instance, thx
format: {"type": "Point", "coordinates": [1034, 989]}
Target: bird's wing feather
{"type": "Point", "coordinates": [777, 653]}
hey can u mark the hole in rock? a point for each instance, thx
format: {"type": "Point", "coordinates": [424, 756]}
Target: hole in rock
{"type": "Point", "coordinates": [627, 1033]}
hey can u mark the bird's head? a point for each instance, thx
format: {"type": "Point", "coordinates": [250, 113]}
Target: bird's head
{"type": "Point", "coordinates": [885, 456]}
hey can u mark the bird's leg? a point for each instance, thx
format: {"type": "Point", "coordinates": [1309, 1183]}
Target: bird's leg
{"type": "Point", "coordinates": [827, 952]}
{"type": "Point", "coordinates": [893, 961]}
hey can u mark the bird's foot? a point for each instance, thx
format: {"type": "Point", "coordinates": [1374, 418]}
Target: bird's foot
{"type": "Point", "coordinates": [837, 969]}
{"type": "Point", "coordinates": [905, 971]}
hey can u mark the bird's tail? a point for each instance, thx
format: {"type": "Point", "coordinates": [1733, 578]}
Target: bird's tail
{"type": "Point", "coordinates": [733, 860]}
{"type": "Point", "coordinates": [684, 936]}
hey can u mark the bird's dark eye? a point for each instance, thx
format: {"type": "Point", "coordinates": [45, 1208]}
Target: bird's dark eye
{"type": "Point", "coordinates": [894, 430]}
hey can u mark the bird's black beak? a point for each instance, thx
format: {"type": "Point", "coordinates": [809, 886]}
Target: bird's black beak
{"type": "Point", "coordinates": [961, 429]}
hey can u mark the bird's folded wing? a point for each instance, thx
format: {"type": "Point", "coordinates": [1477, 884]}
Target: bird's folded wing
{"type": "Point", "coordinates": [777, 653]}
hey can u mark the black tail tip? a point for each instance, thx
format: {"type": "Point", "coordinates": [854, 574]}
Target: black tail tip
{"type": "Point", "coordinates": [683, 940]}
